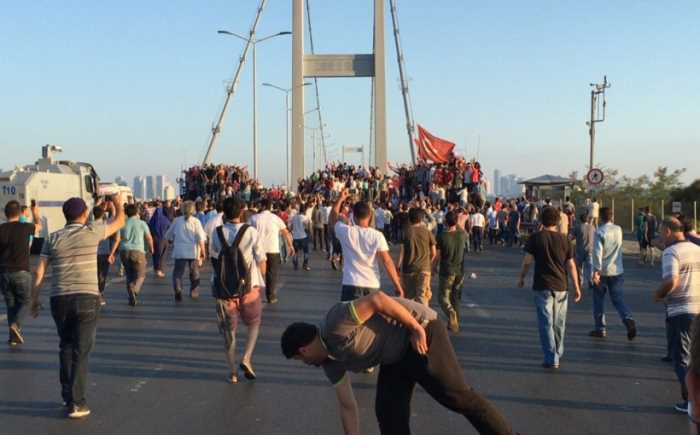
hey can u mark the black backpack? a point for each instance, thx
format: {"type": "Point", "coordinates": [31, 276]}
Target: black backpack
{"type": "Point", "coordinates": [231, 273]}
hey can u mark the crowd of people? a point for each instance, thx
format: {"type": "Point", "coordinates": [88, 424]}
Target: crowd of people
{"type": "Point", "coordinates": [436, 214]}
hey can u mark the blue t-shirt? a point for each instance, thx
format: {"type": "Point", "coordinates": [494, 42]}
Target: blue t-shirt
{"type": "Point", "coordinates": [133, 235]}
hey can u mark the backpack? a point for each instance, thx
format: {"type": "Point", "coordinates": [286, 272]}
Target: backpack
{"type": "Point", "coordinates": [231, 273]}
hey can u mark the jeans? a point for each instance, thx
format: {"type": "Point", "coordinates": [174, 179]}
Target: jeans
{"type": "Point", "coordinates": [16, 288]}
{"type": "Point", "coordinates": [301, 245]}
{"type": "Point", "coordinates": [450, 293]}
{"type": "Point", "coordinates": [551, 321]}
{"type": "Point", "coordinates": [76, 323]}
{"type": "Point", "coordinates": [584, 265]}
{"type": "Point", "coordinates": [441, 376]}
{"type": "Point", "coordinates": [135, 268]}
{"type": "Point", "coordinates": [681, 333]}
{"type": "Point", "coordinates": [477, 233]}
{"type": "Point", "coordinates": [272, 275]}
{"type": "Point", "coordinates": [493, 235]}
{"type": "Point", "coordinates": [102, 271]}
{"type": "Point", "coordinates": [179, 272]}
{"type": "Point", "coordinates": [612, 285]}
{"type": "Point", "coordinates": [351, 292]}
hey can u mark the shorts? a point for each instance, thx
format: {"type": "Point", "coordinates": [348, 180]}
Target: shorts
{"type": "Point", "coordinates": [248, 308]}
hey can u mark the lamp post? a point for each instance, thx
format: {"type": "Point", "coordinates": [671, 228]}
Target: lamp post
{"type": "Point", "coordinates": [254, 42]}
{"type": "Point", "coordinates": [286, 131]}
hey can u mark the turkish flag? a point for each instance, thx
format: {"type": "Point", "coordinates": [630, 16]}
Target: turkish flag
{"type": "Point", "coordinates": [432, 148]}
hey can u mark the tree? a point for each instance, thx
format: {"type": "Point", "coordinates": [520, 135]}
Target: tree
{"type": "Point", "coordinates": [689, 193]}
{"type": "Point", "coordinates": [664, 183]}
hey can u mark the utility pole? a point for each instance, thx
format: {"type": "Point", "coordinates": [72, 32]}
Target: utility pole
{"type": "Point", "coordinates": [597, 115]}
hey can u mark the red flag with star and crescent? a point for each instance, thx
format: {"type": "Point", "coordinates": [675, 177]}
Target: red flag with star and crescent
{"type": "Point", "coordinates": [432, 148]}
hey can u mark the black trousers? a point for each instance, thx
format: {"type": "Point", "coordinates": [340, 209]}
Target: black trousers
{"type": "Point", "coordinates": [441, 376]}
{"type": "Point", "coordinates": [76, 323]}
{"type": "Point", "coordinates": [272, 276]}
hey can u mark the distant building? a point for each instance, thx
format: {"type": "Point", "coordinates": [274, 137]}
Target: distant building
{"type": "Point", "coordinates": [150, 187]}
{"type": "Point", "coordinates": [140, 188]}
{"type": "Point", "coordinates": [161, 181]}
{"type": "Point", "coordinates": [121, 181]}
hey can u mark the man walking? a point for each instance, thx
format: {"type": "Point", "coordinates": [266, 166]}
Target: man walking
{"type": "Point", "coordinates": [680, 292]}
{"type": "Point", "coordinates": [75, 304]}
{"type": "Point", "coordinates": [135, 237]}
{"type": "Point", "coordinates": [270, 229]}
{"type": "Point", "coordinates": [608, 275]}
{"type": "Point", "coordinates": [15, 278]}
{"type": "Point", "coordinates": [450, 246]}
{"type": "Point", "coordinates": [416, 257]}
{"type": "Point", "coordinates": [410, 345]}
{"type": "Point", "coordinates": [362, 248]}
{"type": "Point", "coordinates": [477, 223]}
{"type": "Point", "coordinates": [584, 233]}
{"type": "Point", "coordinates": [651, 226]}
{"type": "Point", "coordinates": [187, 236]}
{"type": "Point", "coordinates": [247, 307]}
{"type": "Point", "coordinates": [106, 250]}
{"type": "Point", "coordinates": [553, 257]}
{"type": "Point", "coordinates": [299, 227]}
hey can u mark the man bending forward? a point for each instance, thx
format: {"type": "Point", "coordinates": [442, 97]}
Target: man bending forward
{"type": "Point", "coordinates": [409, 343]}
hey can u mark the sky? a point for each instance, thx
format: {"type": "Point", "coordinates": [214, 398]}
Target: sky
{"type": "Point", "coordinates": [134, 87]}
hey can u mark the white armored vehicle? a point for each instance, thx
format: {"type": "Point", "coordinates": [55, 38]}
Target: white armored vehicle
{"type": "Point", "coordinates": [50, 183]}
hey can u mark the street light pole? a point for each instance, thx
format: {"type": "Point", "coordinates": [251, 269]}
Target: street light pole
{"type": "Point", "coordinates": [253, 41]}
{"type": "Point", "coordinates": [286, 134]}
{"type": "Point", "coordinates": [255, 107]}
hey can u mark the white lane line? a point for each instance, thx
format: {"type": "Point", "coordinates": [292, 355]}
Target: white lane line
{"type": "Point", "coordinates": [477, 310]}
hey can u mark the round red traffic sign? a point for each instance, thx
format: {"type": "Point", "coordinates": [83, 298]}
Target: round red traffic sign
{"type": "Point", "coordinates": [595, 176]}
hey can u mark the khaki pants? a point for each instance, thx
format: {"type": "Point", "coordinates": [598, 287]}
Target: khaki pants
{"type": "Point", "coordinates": [417, 286]}
{"type": "Point", "coordinates": [135, 267]}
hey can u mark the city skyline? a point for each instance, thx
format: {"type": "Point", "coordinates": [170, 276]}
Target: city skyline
{"type": "Point", "coordinates": [506, 91]}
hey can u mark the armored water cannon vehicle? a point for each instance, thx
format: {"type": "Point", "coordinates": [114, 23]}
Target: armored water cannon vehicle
{"type": "Point", "coordinates": [50, 183]}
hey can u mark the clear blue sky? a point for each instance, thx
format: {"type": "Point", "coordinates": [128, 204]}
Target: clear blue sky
{"type": "Point", "coordinates": [134, 86]}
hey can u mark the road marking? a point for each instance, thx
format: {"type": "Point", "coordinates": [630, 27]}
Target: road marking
{"type": "Point", "coordinates": [478, 311]}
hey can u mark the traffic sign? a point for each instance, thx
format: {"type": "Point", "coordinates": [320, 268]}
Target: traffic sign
{"type": "Point", "coordinates": [595, 176]}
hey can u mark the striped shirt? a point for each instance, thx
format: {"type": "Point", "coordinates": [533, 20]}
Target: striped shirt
{"type": "Point", "coordinates": [682, 260]}
{"type": "Point", "coordinates": [72, 254]}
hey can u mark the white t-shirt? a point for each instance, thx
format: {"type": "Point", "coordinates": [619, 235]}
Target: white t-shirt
{"type": "Point", "coordinates": [325, 214]}
{"type": "Point", "coordinates": [477, 220]}
{"type": "Point", "coordinates": [360, 247]}
{"type": "Point", "coordinates": [250, 246]}
{"type": "Point", "coordinates": [681, 260]}
{"type": "Point", "coordinates": [269, 226]}
{"type": "Point", "coordinates": [594, 209]}
{"type": "Point", "coordinates": [186, 234]}
{"type": "Point", "coordinates": [299, 222]}
{"type": "Point", "coordinates": [463, 196]}
{"type": "Point", "coordinates": [212, 223]}
{"type": "Point", "coordinates": [388, 217]}
{"type": "Point", "coordinates": [379, 218]}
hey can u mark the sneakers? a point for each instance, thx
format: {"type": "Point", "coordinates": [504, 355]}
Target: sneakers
{"type": "Point", "coordinates": [273, 301]}
{"type": "Point", "coordinates": [631, 329]}
{"type": "Point", "coordinates": [160, 274]}
{"type": "Point", "coordinates": [178, 296]}
{"type": "Point", "coordinates": [76, 411]}
{"type": "Point", "coordinates": [307, 267]}
{"type": "Point", "coordinates": [103, 301]}
{"type": "Point", "coordinates": [550, 366]}
{"type": "Point", "coordinates": [598, 334]}
{"type": "Point", "coordinates": [15, 335]}
{"type": "Point", "coordinates": [248, 371]}
{"type": "Point", "coordinates": [682, 407]}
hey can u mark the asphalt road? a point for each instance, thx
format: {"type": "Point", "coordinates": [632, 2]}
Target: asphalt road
{"type": "Point", "coordinates": [160, 369]}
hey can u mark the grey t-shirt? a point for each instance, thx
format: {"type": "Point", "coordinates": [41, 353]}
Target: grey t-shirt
{"type": "Point", "coordinates": [72, 254]}
{"type": "Point", "coordinates": [357, 346]}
